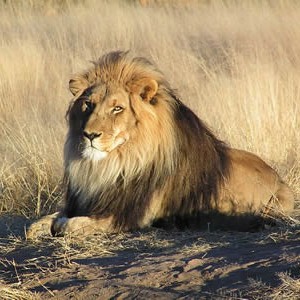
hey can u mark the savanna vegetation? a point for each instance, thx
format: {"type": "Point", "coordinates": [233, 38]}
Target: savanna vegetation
{"type": "Point", "coordinates": [236, 63]}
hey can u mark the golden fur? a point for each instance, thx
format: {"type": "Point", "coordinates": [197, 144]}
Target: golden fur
{"type": "Point", "coordinates": [135, 154]}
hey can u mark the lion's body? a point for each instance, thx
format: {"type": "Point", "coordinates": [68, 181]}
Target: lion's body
{"type": "Point", "coordinates": [135, 154]}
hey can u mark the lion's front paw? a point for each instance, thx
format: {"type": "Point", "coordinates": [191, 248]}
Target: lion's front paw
{"type": "Point", "coordinates": [75, 226]}
{"type": "Point", "coordinates": [42, 227]}
{"type": "Point", "coordinates": [79, 226]}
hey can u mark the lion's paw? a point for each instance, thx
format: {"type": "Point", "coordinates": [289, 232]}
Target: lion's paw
{"type": "Point", "coordinates": [42, 227]}
{"type": "Point", "coordinates": [76, 226]}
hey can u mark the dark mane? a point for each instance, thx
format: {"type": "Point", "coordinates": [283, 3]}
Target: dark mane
{"type": "Point", "coordinates": [205, 162]}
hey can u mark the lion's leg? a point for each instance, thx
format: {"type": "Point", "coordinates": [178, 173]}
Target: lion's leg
{"type": "Point", "coordinates": [41, 227]}
{"type": "Point", "coordinates": [81, 226]}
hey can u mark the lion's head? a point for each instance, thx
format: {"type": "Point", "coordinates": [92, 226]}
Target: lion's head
{"type": "Point", "coordinates": [108, 109]}
{"type": "Point", "coordinates": [120, 121]}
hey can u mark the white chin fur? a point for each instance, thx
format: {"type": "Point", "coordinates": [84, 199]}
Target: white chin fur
{"type": "Point", "coordinates": [94, 154]}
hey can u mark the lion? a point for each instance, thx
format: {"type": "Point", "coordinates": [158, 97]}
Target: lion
{"type": "Point", "coordinates": [136, 154]}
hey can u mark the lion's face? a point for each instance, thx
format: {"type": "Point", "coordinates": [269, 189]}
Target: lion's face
{"type": "Point", "coordinates": [107, 119]}
{"type": "Point", "coordinates": [104, 117]}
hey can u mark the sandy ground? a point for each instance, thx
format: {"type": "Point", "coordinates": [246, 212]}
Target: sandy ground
{"type": "Point", "coordinates": [151, 264]}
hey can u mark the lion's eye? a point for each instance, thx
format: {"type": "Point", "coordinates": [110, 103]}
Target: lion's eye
{"type": "Point", "coordinates": [117, 109]}
{"type": "Point", "coordinates": [88, 105]}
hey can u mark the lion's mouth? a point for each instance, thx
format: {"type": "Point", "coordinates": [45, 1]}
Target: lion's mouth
{"type": "Point", "coordinates": [98, 151]}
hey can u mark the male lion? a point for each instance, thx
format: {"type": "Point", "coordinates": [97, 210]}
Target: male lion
{"type": "Point", "coordinates": [136, 154]}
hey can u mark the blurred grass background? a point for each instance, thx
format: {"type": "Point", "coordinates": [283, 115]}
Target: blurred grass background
{"type": "Point", "coordinates": [236, 63]}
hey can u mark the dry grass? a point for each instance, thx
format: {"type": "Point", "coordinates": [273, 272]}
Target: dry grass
{"type": "Point", "coordinates": [288, 288]}
{"type": "Point", "coordinates": [236, 63]}
{"type": "Point", "coordinates": [8, 293]}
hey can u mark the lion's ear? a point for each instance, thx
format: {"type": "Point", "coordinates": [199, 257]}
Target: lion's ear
{"type": "Point", "coordinates": [146, 88]}
{"type": "Point", "coordinates": [77, 85]}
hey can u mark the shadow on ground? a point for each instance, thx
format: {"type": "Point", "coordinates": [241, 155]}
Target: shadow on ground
{"type": "Point", "coordinates": [153, 263]}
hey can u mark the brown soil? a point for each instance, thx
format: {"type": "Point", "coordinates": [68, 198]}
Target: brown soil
{"type": "Point", "coordinates": [151, 264]}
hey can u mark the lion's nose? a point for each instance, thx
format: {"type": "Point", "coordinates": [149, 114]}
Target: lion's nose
{"type": "Point", "coordinates": [91, 135]}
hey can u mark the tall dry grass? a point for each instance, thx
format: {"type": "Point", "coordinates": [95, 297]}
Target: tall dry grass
{"type": "Point", "coordinates": [236, 63]}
